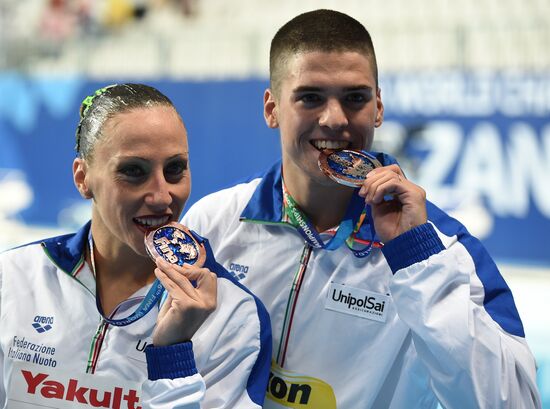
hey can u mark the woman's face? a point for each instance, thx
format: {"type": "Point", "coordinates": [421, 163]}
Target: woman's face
{"type": "Point", "coordinates": [138, 179]}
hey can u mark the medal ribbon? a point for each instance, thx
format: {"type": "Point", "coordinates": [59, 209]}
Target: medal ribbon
{"type": "Point", "coordinates": [353, 219]}
{"type": "Point", "coordinates": [153, 296]}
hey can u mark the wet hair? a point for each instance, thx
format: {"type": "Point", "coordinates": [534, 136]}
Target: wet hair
{"type": "Point", "coordinates": [318, 30]}
{"type": "Point", "coordinates": [105, 103]}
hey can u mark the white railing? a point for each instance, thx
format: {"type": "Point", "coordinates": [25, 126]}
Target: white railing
{"type": "Point", "coordinates": [231, 39]}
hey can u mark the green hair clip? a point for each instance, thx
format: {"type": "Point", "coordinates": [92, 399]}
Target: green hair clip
{"type": "Point", "coordinates": [85, 107]}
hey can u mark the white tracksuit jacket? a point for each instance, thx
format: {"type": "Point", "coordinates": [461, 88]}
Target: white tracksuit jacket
{"type": "Point", "coordinates": [427, 318]}
{"type": "Point", "coordinates": [57, 352]}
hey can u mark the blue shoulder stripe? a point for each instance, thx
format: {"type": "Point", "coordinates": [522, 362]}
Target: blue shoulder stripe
{"type": "Point", "coordinates": [498, 301]}
{"type": "Point", "coordinates": [266, 203]}
{"type": "Point", "coordinates": [259, 376]}
{"type": "Point", "coordinates": [66, 251]}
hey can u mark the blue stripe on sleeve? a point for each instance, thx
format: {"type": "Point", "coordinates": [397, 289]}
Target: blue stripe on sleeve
{"type": "Point", "coordinates": [259, 376]}
{"type": "Point", "coordinates": [498, 300]}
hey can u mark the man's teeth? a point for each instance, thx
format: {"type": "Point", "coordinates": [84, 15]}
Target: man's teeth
{"type": "Point", "coordinates": [325, 144]}
{"type": "Point", "coordinates": [152, 221]}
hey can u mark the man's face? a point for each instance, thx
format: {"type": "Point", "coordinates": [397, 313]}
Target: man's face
{"type": "Point", "coordinates": [326, 100]}
{"type": "Point", "coordinates": [139, 178]}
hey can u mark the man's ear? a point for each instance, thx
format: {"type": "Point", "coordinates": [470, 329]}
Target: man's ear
{"type": "Point", "coordinates": [270, 109]}
{"type": "Point", "coordinates": [80, 169]}
{"type": "Point", "coordinates": [379, 109]}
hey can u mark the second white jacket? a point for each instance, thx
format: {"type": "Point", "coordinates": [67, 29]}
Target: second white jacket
{"type": "Point", "coordinates": [426, 319]}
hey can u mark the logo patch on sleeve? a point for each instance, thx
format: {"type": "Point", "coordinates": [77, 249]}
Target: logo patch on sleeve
{"type": "Point", "coordinates": [358, 302]}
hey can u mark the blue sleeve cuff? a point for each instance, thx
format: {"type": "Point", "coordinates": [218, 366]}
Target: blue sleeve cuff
{"type": "Point", "coordinates": [411, 247]}
{"type": "Point", "coordinates": [171, 361]}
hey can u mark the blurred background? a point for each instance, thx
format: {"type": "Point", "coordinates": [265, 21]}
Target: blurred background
{"type": "Point", "coordinates": [466, 88]}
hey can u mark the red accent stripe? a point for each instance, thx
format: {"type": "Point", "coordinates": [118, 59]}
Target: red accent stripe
{"type": "Point", "coordinates": [97, 348]}
{"type": "Point", "coordinates": [299, 286]}
{"type": "Point", "coordinates": [377, 244]}
{"type": "Point", "coordinates": [79, 269]}
{"type": "Point", "coordinates": [374, 244]}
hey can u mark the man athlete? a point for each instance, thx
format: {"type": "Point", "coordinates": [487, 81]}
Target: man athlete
{"type": "Point", "coordinates": [410, 316]}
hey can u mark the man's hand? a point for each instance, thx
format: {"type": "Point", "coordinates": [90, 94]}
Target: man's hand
{"type": "Point", "coordinates": [397, 204]}
{"type": "Point", "coordinates": [186, 306]}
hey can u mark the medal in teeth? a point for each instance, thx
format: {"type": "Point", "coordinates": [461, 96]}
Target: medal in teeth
{"type": "Point", "coordinates": [175, 244]}
{"type": "Point", "coordinates": [347, 167]}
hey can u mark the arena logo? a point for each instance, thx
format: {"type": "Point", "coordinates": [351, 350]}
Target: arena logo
{"type": "Point", "coordinates": [42, 324]}
{"type": "Point", "coordinates": [238, 271]}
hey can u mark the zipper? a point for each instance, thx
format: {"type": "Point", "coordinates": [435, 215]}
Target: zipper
{"type": "Point", "coordinates": [291, 304]}
{"type": "Point", "coordinates": [95, 347]}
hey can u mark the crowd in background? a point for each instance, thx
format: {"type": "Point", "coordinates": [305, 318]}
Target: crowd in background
{"type": "Point", "coordinates": [219, 39]}
{"type": "Point", "coordinates": [62, 19]}
{"type": "Point", "coordinates": [44, 28]}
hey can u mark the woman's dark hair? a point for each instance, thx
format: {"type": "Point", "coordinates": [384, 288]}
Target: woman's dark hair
{"type": "Point", "coordinates": [107, 102]}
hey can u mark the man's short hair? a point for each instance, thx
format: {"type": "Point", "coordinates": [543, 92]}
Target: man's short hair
{"type": "Point", "coordinates": [318, 30]}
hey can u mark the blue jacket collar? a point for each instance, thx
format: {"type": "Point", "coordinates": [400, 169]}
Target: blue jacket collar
{"type": "Point", "coordinates": [67, 251]}
{"type": "Point", "coordinates": [266, 204]}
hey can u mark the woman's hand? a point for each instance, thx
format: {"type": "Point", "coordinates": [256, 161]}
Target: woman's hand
{"type": "Point", "coordinates": [186, 306]}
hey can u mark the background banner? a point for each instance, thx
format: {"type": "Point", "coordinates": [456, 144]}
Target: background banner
{"type": "Point", "coordinates": [479, 143]}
